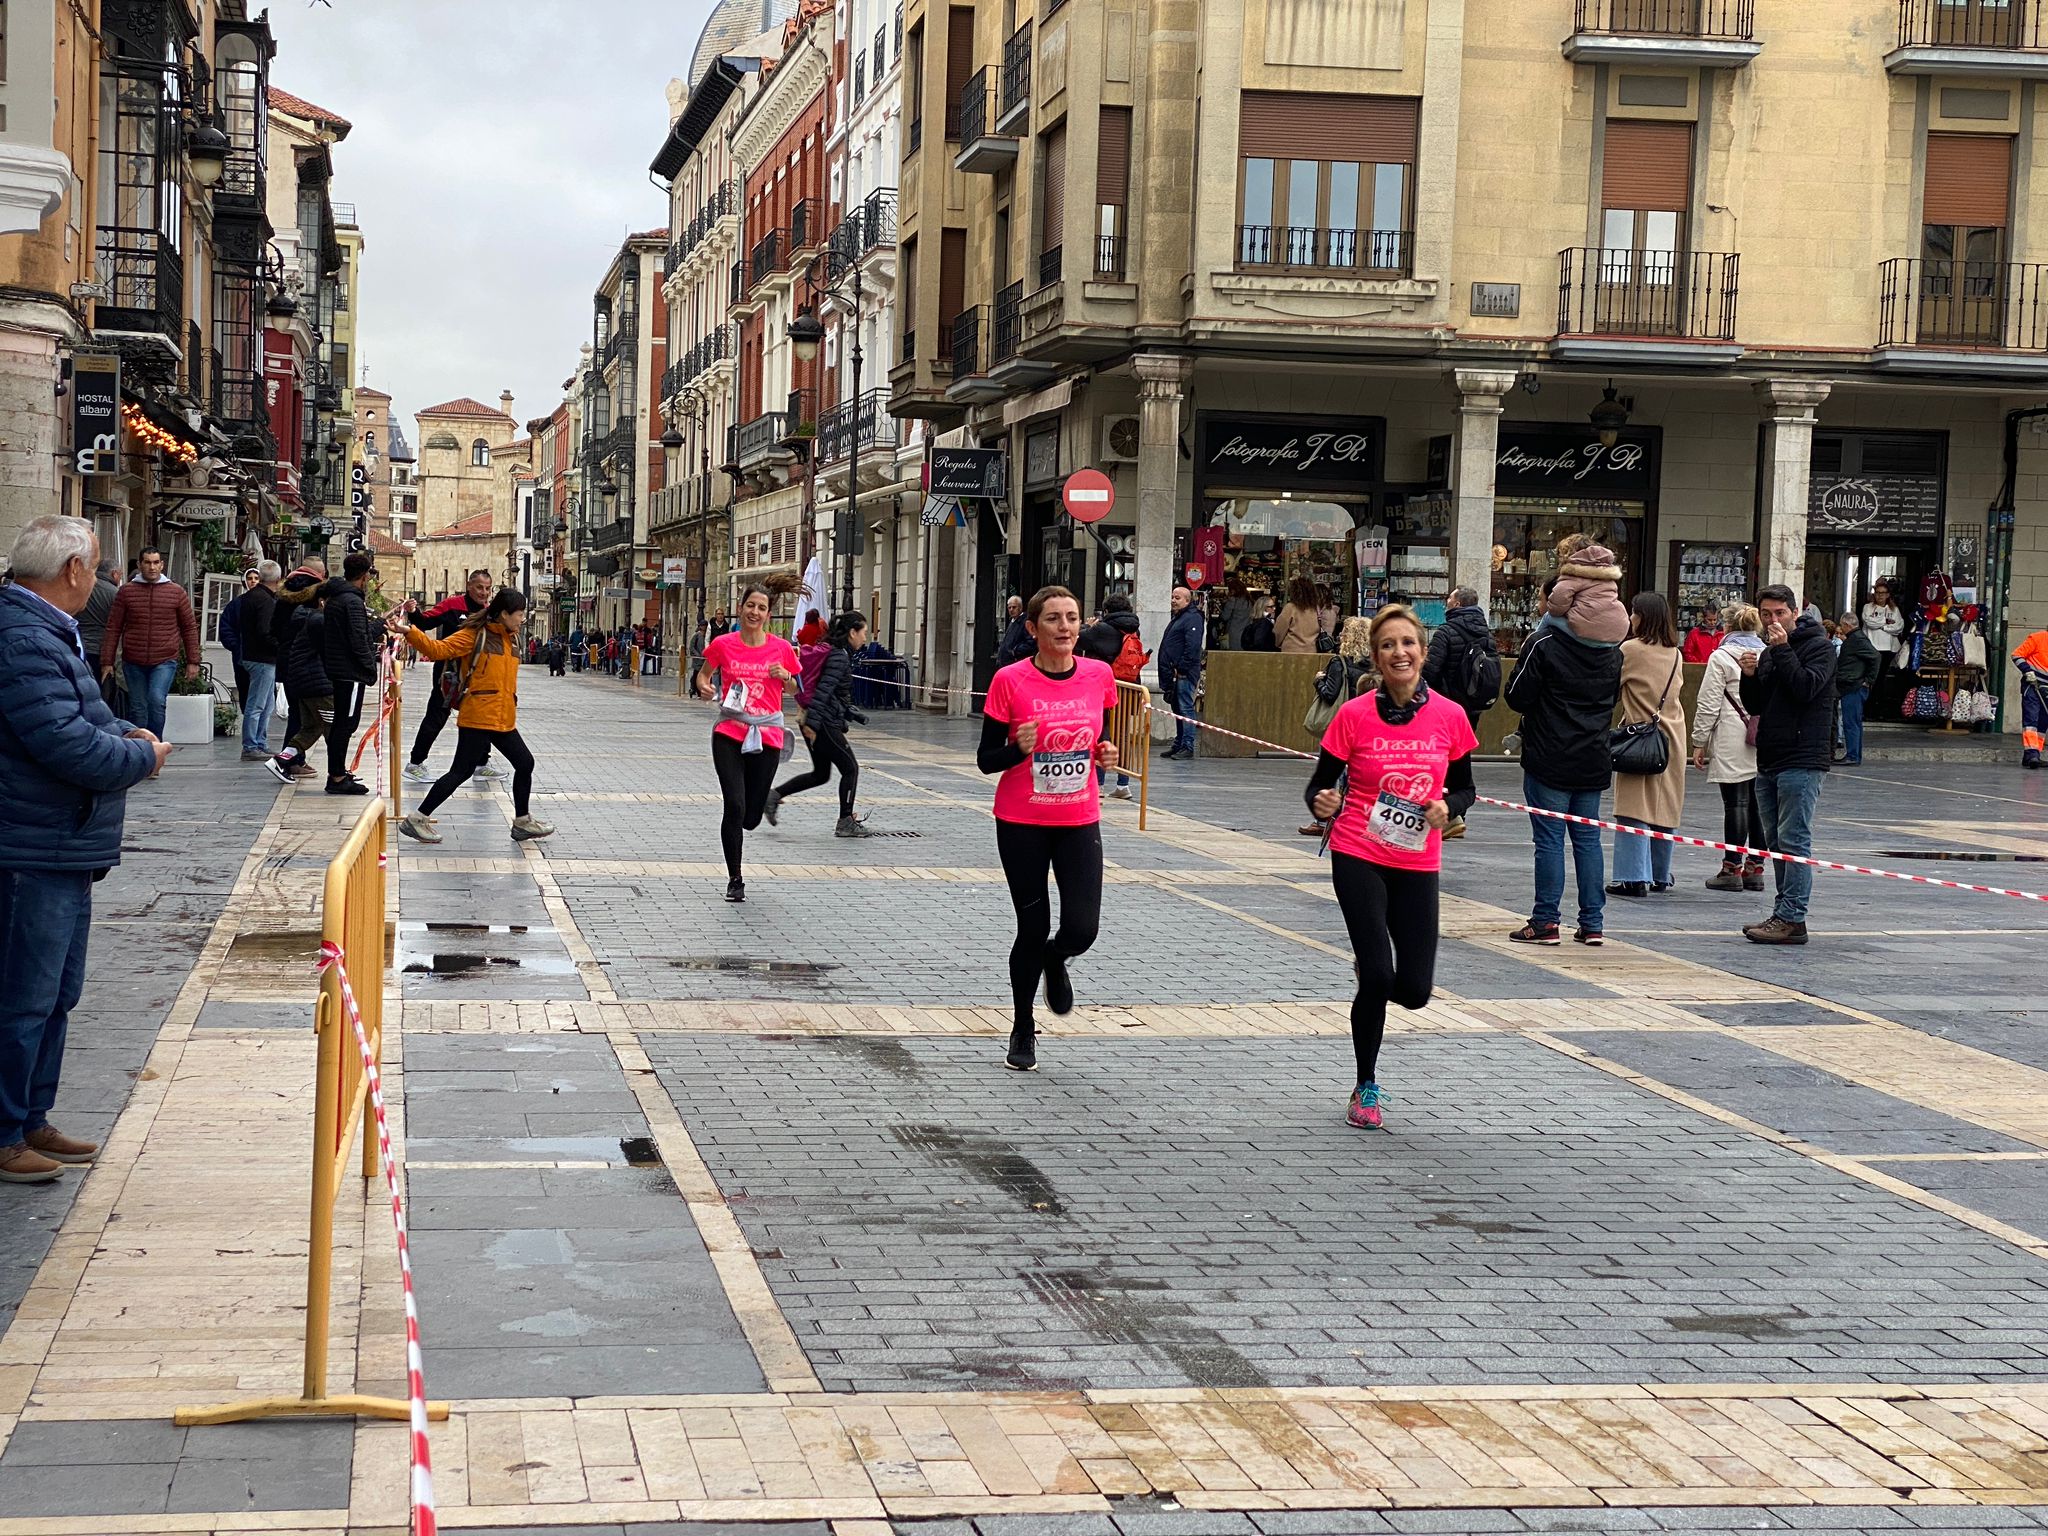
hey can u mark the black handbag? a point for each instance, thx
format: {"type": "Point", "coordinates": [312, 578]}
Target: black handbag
{"type": "Point", "coordinates": [1642, 749]}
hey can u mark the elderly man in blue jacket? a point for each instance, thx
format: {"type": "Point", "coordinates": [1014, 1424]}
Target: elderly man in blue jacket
{"type": "Point", "coordinates": [66, 765]}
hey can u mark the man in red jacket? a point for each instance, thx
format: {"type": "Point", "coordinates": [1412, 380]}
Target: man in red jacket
{"type": "Point", "coordinates": [150, 628]}
{"type": "Point", "coordinates": [441, 621]}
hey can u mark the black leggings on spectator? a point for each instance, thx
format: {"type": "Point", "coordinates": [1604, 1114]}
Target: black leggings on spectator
{"type": "Point", "coordinates": [745, 780]}
{"type": "Point", "coordinates": [1391, 915]}
{"type": "Point", "coordinates": [829, 750]}
{"type": "Point", "coordinates": [472, 751]}
{"type": "Point", "coordinates": [1740, 823]}
{"type": "Point", "coordinates": [1073, 857]}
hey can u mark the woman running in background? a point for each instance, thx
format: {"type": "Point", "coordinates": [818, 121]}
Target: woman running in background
{"type": "Point", "coordinates": [826, 714]}
{"type": "Point", "coordinates": [752, 667]}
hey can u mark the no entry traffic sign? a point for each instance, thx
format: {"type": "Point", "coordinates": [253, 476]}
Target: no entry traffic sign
{"type": "Point", "coordinates": [1088, 495]}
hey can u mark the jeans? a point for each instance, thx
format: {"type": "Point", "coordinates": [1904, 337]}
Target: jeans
{"type": "Point", "coordinates": [1643, 860]}
{"type": "Point", "coordinates": [1586, 855]}
{"type": "Point", "coordinates": [148, 689]}
{"type": "Point", "coordinates": [44, 918]}
{"type": "Point", "coordinates": [1177, 690]}
{"type": "Point", "coordinates": [257, 702]}
{"type": "Point", "coordinates": [1786, 802]}
{"type": "Point", "coordinates": [1852, 724]}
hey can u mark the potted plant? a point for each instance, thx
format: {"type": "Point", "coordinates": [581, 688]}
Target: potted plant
{"type": "Point", "coordinates": [188, 713]}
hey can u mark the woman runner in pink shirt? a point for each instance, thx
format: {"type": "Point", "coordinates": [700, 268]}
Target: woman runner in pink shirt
{"type": "Point", "coordinates": [752, 667]}
{"type": "Point", "coordinates": [1043, 731]}
{"type": "Point", "coordinates": [1396, 767]}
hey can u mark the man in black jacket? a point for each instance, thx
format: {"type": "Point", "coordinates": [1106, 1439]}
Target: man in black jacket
{"type": "Point", "coordinates": [1790, 687]}
{"type": "Point", "coordinates": [441, 621]}
{"type": "Point", "coordinates": [1447, 666]}
{"type": "Point", "coordinates": [349, 649]}
{"type": "Point", "coordinates": [1565, 691]}
{"type": "Point", "coordinates": [1180, 668]}
{"type": "Point", "coordinates": [1017, 642]}
{"type": "Point", "coordinates": [259, 659]}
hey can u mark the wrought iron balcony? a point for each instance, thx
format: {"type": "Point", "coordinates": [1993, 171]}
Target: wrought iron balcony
{"type": "Point", "coordinates": [1109, 257]}
{"type": "Point", "coordinates": [860, 78]}
{"type": "Point", "coordinates": [1999, 306]}
{"type": "Point", "coordinates": [1007, 325]}
{"type": "Point", "coordinates": [1049, 264]}
{"type": "Point", "coordinates": [144, 279]}
{"type": "Point", "coordinates": [1994, 24]}
{"type": "Point", "coordinates": [867, 227]}
{"type": "Point", "coordinates": [1648, 296]}
{"type": "Point", "coordinates": [1016, 101]}
{"type": "Point", "coordinates": [753, 441]}
{"type": "Point", "coordinates": [970, 330]}
{"type": "Point", "coordinates": [1712, 33]}
{"type": "Point", "coordinates": [613, 535]}
{"type": "Point", "coordinates": [769, 256]}
{"type": "Point", "coordinates": [1321, 252]}
{"type": "Point", "coordinates": [985, 145]}
{"type": "Point", "coordinates": [806, 225]}
{"type": "Point", "coordinates": [864, 422]}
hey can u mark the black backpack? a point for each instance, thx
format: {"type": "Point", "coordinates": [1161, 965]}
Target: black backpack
{"type": "Point", "coordinates": [1481, 681]}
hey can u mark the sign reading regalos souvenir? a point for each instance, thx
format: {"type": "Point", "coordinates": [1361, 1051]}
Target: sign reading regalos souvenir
{"type": "Point", "coordinates": [96, 413]}
{"type": "Point", "coordinates": [1327, 451]}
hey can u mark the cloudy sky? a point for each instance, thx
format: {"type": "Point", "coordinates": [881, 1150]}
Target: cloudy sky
{"type": "Point", "coordinates": [499, 154]}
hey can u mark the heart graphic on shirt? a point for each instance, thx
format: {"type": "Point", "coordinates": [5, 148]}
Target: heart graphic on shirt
{"type": "Point", "coordinates": [1419, 787]}
{"type": "Point", "coordinates": [1065, 738]}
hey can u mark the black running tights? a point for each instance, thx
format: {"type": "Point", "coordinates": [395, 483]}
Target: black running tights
{"type": "Point", "coordinates": [472, 751]}
{"type": "Point", "coordinates": [1073, 857]}
{"type": "Point", "coordinates": [829, 750]}
{"type": "Point", "coordinates": [1391, 917]}
{"type": "Point", "coordinates": [744, 779]}
{"type": "Point", "coordinates": [1740, 822]}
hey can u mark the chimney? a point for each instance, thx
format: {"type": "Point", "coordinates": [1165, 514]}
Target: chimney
{"type": "Point", "coordinates": [505, 402]}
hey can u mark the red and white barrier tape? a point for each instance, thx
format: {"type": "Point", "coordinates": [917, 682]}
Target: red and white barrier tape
{"type": "Point", "coordinates": [374, 736]}
{"type": "Point", "coordinates": [424, 1521]}
{"type": "Point", "coordinates": [1591, 821]}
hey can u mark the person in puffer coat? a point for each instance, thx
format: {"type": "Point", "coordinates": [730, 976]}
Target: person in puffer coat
{"type": "Point", "coordinates": [302, 668]}
{"type": "Point", "coordinates": [826, 713]}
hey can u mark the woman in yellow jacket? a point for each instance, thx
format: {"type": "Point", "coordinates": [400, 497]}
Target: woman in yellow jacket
{"type": "Point", "coordinates": [486, 651]}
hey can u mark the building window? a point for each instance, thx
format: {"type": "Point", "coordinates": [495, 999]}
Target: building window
{"type": "Point", "coordinates": [141, 205]}
{"type": "Point", "coordinates": [408, 530]}
{"type": "Point", "coordinates": [1965, 209]}
{"type": "Point", "coordinates": [1326, 183]}
{"type": "Point", "coordinates": [1112, 190]}
{"type": "Point", "coordinates": [480, 454]}
{"type": "Point", "coordinates": [959, 63]}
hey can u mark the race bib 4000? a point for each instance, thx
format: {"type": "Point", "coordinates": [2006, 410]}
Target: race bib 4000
{"type": "Point", "coordinates": [1061, 773]}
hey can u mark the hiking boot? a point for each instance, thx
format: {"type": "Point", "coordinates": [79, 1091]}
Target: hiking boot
{"type": "Point", "coordinates": [1023, 1054]}
{"type": "Point", "coordinates": [59, 1148]}
{"type": "Point", "coordinates": [1775, 930]}
{"type": "Point", "coordinates": [1059, 987]}
{"type": "Point", "coordinates": [347, 784]}
{"type": "Point", "coordinates": [22, 1164]}
{"type": "Point", "coordinates": [773, 809]}
{"type": "Point", "coordinates": [1455, 827]}
{"type": "Point", "coordinates": [526, 828]}
{"type": "Point", "coordinates": [418, 828]}
{"type": "Point", "coordinates": [851, 826]}
{"type": "Point", "coordinates": [1364, 1112]}
{"type": "Point", "coordinates": [1752, 874]}
{"type": "Point", "coordinates": [419, 773]}
{"type": "Point", "coordinates": [1534, 933]}
{"type": "Point", "coordinates": [1730, 877]}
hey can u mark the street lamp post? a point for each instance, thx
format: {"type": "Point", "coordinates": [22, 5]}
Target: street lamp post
{"type": "Point", "coordinates": [806, 334]}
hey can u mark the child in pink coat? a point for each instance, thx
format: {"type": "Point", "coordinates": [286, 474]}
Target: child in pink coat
{"type": "Point", "coordinates": [1587, 596]}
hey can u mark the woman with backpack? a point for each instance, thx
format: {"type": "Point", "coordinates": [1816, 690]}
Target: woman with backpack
{"type": "Point", "coordinates": [752, 668]}
{"type": "Point", "coordinates": [828, 706]}
{"type": "Point", "coordinates": [1724, 743]}
{"type": "Point", "coordinates": [1336, 685]}
{"type": "Point", "coordinates": [485, 682]}
{"type": "Point", "coordinates": [1113, 640]}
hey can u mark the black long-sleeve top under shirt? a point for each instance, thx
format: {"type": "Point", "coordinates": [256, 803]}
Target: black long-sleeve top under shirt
{"type": "Point", "coordinates": [1459, 790]}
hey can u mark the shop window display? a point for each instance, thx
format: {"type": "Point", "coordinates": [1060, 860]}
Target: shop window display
{"type": "Point", "coordinates": [1271, 540]}
{"type": "Point", "coordinates": [1526, 533]}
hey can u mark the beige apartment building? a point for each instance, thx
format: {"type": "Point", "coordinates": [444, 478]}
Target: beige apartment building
{"type": "Point", "coordinates": [620, 455]}
{"type": "Point", "coordinates": [1746, 290]}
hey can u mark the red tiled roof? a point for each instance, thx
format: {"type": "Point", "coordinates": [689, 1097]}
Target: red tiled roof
{"type": "Point", "coordinates": [463, 406]}
{"type": "Point", "coordinates": [477, 527]}
{"type": "Point", "coordinates": [384, 544]}
{"type": "Point", "coordinates": [298, 106]}
{"type": "Point", "coordinates": [651, 234]}
{"type": "Point", "coordinates": [363, 390]}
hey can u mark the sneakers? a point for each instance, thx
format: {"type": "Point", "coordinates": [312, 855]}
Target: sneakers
{"type": "Point", "coordinates": [1365, 1108]}
{"type": "Point", "coordinates": [1122, 792]}
{"type": "Point", "coordinates": [491, 771]}
{"type": "Point", "coordinates": [418, 828]}
{"type": "Point", "coordinates": [1023, 1053]}
{"type": "Point", "coordinates": [526, 828]}
{"type": "Point", "coordinates": [772, 811]}
{"type": "Point", "coordinates": [1059, 987]}
{"type": "Point", "coordinates": [1635, 888]}
{"type": "Point", "coordinates": [735, 889]}
{"type": "Point", "coordinates": [1592, 938]}
{"type": "Point", "coordinates": [1455, 827]}
{"type": "Point", "coordinates": [22, 1164]}
{"type": "Point", "coordinates": [255, 757]}
{"type": "Point", "coordinates": [1178, 755]}
{"type": "Point", "coordinates": [303, 770]}
{"type": "Point", "coordinates": [1730, 877]}
{"type": "Point", "coordinates": [1775, 930]}
{"type": "Point", "coordinates": [282, 769]}
{"type": "Point", "coordinates": [1534, 933]}
{"type": "Point", "coordinates": [59, 1148]}
{"type": "Point", "coordinates": [347, 784]}
{"type": "Point", "coordinates": [851, 826]}
{"type": "Point", "coordinates": [419, 773]}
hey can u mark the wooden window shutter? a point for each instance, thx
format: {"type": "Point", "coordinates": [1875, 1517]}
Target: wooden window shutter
{"type": "Point", "coordinates": [1969, 179]}
{"type": "Point", "coordinates": [952, 277]}
{"type": "Point", "coordinates": [1113, 157]}
{"type": "Point", "coordinates": [959, 52]}
{"type": "Point", "coordinates": [1052, 221]}
{"type": "Point", "coordinates": [1647, 166]}
{"type": "Point", "coordinates": [1288, 125]}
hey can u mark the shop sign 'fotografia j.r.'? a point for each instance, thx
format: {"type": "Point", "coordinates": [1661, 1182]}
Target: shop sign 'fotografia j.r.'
{"type": "Point", "coordinates": [1315, 451]}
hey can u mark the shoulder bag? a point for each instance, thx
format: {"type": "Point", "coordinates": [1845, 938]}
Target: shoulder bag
{"type": "Point", "coordinates": [1322, 711]}
{"type": "Point", "coordinates": [1641, 749]}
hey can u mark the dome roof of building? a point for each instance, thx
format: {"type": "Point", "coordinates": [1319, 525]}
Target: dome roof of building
{"type": "Point", "coordinates": [733, 24]}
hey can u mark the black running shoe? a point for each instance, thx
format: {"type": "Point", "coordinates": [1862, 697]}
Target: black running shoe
{"type": "Point", "coordinates": [347, 784]}
{"type": "Point", "coordinates": [1023, 1055]}
{"type": "Point", "coordinates": [773, 807]}
{"type": "Point", "coordinates": [735, 889]}
{"type": "Point", "coordinates": [1059, 988]}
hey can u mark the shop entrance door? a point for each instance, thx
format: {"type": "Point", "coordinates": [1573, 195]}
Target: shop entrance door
{"type": "Point", "coordinates": [991, 591]}
{"type": "Point", "coordinates": [1839, 576]}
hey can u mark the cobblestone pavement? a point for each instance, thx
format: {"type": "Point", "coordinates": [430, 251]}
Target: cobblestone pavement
{"type": "Point", "coordinates": [726, 1218]}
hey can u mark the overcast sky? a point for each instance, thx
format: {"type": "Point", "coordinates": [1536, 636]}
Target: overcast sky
{"type": "Point", "coordinates": [498, 156]}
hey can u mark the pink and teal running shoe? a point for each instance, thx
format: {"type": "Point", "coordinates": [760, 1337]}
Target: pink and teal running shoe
{"type": "Point", "coordinates": [1365, 1108]}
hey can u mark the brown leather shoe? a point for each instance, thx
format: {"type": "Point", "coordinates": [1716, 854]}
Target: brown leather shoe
{"type": "Point", "coordinates": [21, 1164]}
{"type": "Point", "coordinates": [59, 1148]}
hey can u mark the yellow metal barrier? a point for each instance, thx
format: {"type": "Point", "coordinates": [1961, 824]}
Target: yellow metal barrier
{"type": "Point", "coordinates": [1130, 729]}
{"type": "Point", "coordinates": [352, 919]}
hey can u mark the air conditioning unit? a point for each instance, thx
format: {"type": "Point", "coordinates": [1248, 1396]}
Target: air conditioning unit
{"type": "Point", "coordinates": [1119, 440]}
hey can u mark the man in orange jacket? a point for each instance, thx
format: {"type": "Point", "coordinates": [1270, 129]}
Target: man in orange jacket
{"type": "Point", "coordinates": [2032, 656]}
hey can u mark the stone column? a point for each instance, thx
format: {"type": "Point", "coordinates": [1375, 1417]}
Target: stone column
{"type": "Point", "coordinates": [1162, 385]}
{"type": "Point", "coordinates": [1475, 451]}
{"type": "Point", "coordinates": [1790, 407]}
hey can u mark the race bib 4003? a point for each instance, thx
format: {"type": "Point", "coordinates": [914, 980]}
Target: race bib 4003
{"type": "Point", "coordinates": [1398, 823]}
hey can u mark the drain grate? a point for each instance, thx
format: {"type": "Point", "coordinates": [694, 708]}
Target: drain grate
{"type": "Point", "coordinates": [746, 964]}
{"type": "Point", "coordinates": [1959, 856]}
{"type": "Point", "coordinates": [892, 832]}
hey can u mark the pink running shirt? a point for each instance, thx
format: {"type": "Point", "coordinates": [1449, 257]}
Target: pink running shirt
{"type": "Point", "coordinates": [737, 663]}
{"type": "Point", "coordinates": [1055, 786]}
{"type": "Point", "coordinates": [1395, 771]}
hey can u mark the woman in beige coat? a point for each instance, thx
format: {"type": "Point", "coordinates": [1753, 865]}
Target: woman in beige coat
{"type": "Point", "coordinates": [1651, 676]}
{"type": "Point", "coordinates": [1721, 745]}
{"type": "Point", "coordinates": [1299, 624]}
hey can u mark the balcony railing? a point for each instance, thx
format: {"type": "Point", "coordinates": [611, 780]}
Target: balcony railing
{"type": "Point", "coordinates": [865, 423]}
{"type": "Point", "coordinates": [975, 110]}
{"type": "Point", "coordinates": [770, 254]}
{"type": "Point", "coordinates": [865, 228]}
{"type": "Point", "coordinates": [756, 439]}
{"type": "Point", "coordinates": [803, 413]}
{"type": "Point", "coordinates": [2001, 305]}
{"type": "Point", "coordinates": [716, 346]}
{"type": "Point", "coordinates": [970, 329]}
{"type": "Point", "coordinates": [1720, 20]}
{"type": "Point", "coordinates": [1008, 324]}
{"type": "Point", "coordinates": [612, 535]}
{"type": "Point", "coordinates": [144, 279]}
{"type": "Point", "coordinates": [2015, 24]}
{"type": "Point", "coordinates": [1109, 257]}
{"type": "Point", "coordinates": [860, 78]}
{"type": "Point", "coordinates": [1049, 263]}
{"type": "Point", "coordinates": [1676, 295]}
{"type": "Point", "coordinates": [1017, 72]}
{"type": "Point", "coordinates": [1342, 252]}
{"type": "Point", "coordinates": [806, 225]}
